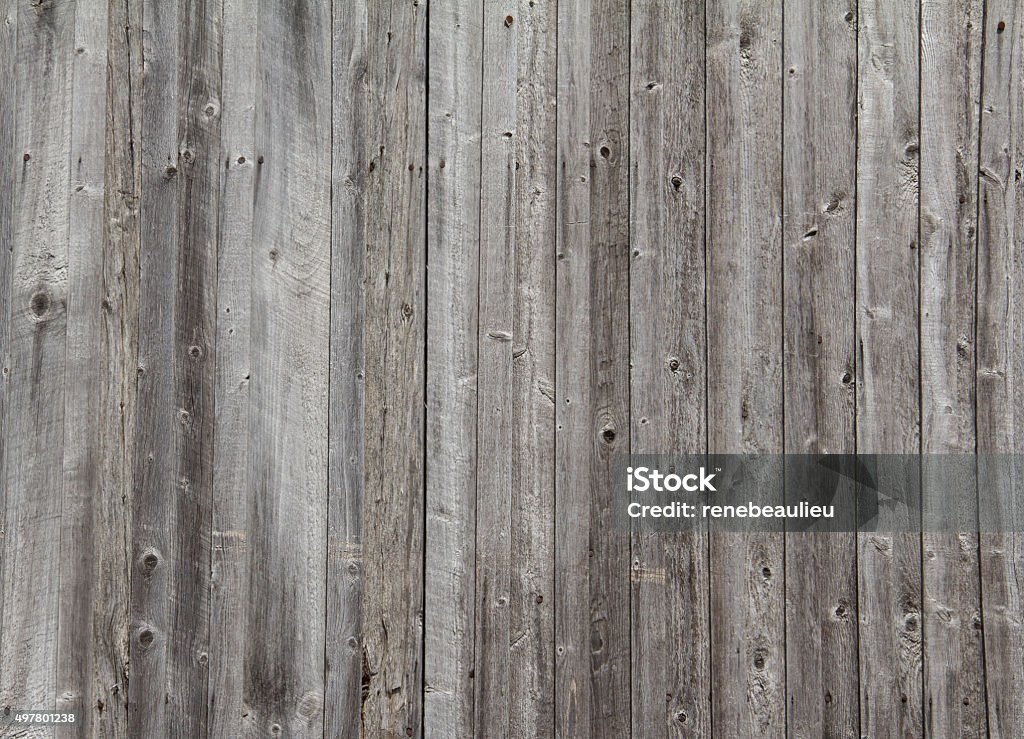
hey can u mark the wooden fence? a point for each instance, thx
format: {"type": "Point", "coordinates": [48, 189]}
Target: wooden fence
{"type": "Point", "coordinates": [322, 322]}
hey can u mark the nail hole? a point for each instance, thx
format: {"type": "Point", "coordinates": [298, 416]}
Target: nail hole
{"type": "Point", "coordinates": [605, 152]}
{"type": "Point", "coordinates": [1001, 27]}
{"type": "Point", "coordinates": [509, 20]}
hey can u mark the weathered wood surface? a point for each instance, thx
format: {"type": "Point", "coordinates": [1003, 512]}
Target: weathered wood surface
{"type": "Point", "coordinates": [321, 325]}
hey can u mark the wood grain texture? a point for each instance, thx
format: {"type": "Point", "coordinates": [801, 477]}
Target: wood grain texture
{"type": "Point", "coordinates": [85, 486]}
{"type": "Point", "coordinates": [495, 335]}
{"type": "Point", "coordinates": [671, 683]}
{"type": "Point", "coordinates": [744, 323]}
{"type": "Point", "coordinates": [532, 514]}
{"type": "Point", "coordinates": [1000, 360]}
{"type": "Point", "coordinates": [453, 370]}
{"type": "Point", "coordinates": [395, 340]}
{"type": "Point", "coordinates": [888, 398]}
{"type": "Point", "coordinates": [322, 327]}
{"type": "Point", "coordinates": [33, 575]}
{"type": "Point", "coordinates": [592, 370]}
{"type": "Point", "coordinates": [175, 424]}
{"type": "Point", "coordinates": [290, 367]}
{"type": "Point", "coordinates": [230, 571]}
{"type": "Point", "coordinates": [819, 189]}
{"type": "Point", "coordinates": [346, 443]}
{"type": "Point", "coordinates": [954, 691]}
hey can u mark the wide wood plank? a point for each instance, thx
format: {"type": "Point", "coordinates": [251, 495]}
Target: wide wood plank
{"type": "Point", "coordinates": [36, 324]}
{"type": "Point", "coordinates": [453, 248]}
{"type": "Point", "coordinates": [8, 178]}
{"type": "Point", "coordinates": [175, 423]}
{"type": "Point", "coordinates": [392, 613]}
{"type": "Point", "coordinates": [744, 318]}
{"type": "Point", "coordinates": [1000, 362]}
{"type": "Point", "coordinates": [532, 522]}
{"type": "Point", "coordinates": [290, 365]}
{"type": "Point", "coordinates": [671, 656]}
{"type": "Point", "coordinates": [346, 442]}
{"type": "Point", "coordinates": [592, 369]}
{"type": "Point", "coordinates": [820, 119]}
{"type": "Point", "coordinates": [229, 559]}
{"type": "Point", "coordinates": [951, 32]}
{"type": "Point", "coordinates": [888, 408]}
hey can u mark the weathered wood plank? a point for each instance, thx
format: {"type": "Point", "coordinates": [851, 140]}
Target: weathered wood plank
{"type": "Point", "coordinates": [888, 407]}
{"type": "Point", "coordinates": [532, 658]}
{"type": "Point", "coordinates": [40, 158]}
{"type": "Point", "coordinates": [453, 235]}
{"type": "Point", "coordinates": [229, 558]}
{"type": "Point", "coordinates": [8, 179]}
{"type": "Point", "coordinates": [120, 310]}
{"type": "Point", "coordinates": [171, 518]}
{"type": "Point", "coordinates": [394, 334]}
{"type": "Point", "coordinates": [671, 657]}
{"type": "Point", "coordinates": [954, 691]}
{"type": "Point", "coordinates": [744, 314]}
{"type": "Point", "coordinates": [1000, 360]}
{"type": "Point", "coordinates": [496, 321]}
{"type": "Point", "coordinates": [592, 369]}
{"type": "Point", "coordinates": [820, 150]}
{"type": "Point", "coordinates": [87, 442]}
{"type": "Point", "coordinates": [346, 442]}
{"type": "Point", "coordinates": [290, 365]}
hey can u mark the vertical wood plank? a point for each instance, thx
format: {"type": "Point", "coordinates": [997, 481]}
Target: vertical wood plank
{"type": "Point", "coordinates": [819, 182]}
{"type": "Point", "coordinates": [592, 678]}
{"type": "Point", "coordinates": [453, 234]}
{"type": "Point", "coordinates": [344, 542]}
{"type": "Point", "coordinates": [888, 407]}
{"type": "Point", "coordinates": [120, 303]}
{"type": "Point", "coordinates": [229, 559]}
{"type": "Point", "coordinates": [532, 574]}
{"type": "Point", "coordinates": [174, 478]}
{"type": "Point", "coordinates": [88, 441]}
{"type": "Point", "coordinates": [1000, 362]}
{"type": "Point", "coordinates": [951, 33]}
{"type": "Point", "coordinates": [496, 330]}
{"type": "Point", "coordinates": [744, 314]}
{"type": "Point", "coordinates": [8, 179]}
{"type": "Point", "coordinates": [392, 612]}
{"type": "Point", "coordinates": [288, 391]}
{"type": "Point", "coordinates": [37, 322]}
{"type": "Point", "coordinates": [670, 628]}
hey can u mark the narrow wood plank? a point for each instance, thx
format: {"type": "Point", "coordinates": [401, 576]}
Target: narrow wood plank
{"type": "Point", "coordinates": [744, 314]}
{"type": "Point", "coordinates": [290, 364]}
{"type": "Point", "coordinates": [87, 440]}
{"type": "Point", "coordinates": [888, 407]}
{"type": "Point", "coordinates": [120, 310]}
{"type": "Point", "coordinates": [532, 604]}
{"type": "Point", "coordinates": [174, 478]}
{"type": "Point", "coordinates": [37, 322]}
{"type": "Point", "coordinates": [819, 182]}
{"type": "Point", "coordinates": [496, 320]}
{"type": "Point", "coordinates": [453, 243]}
{"type": "Point", "coordinates": [1000, 361]}
{"type": "Point", "coordinates": [954, 697]}
{"type": "Point", "coordinates": [8, 179]}
{"type": "Point", "coordinates": [592, 369]}
{"type": "Point", "coordinates": [671, 656]}
{"type": "Point", "coordinates": [230, 569]}
{"type": "Point", "coordinates": [392, 613]}
{"type": "Point", "coordinates": [346, 442]}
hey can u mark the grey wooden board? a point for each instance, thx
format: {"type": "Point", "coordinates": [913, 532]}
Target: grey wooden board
{"type": "Point", "coordinates": [819, 186]}
{"type": "Point", "coordinates": [321, 325]}
{"type": "Point", "coordinates": [1000, 362]}
{"type": "Point", "coordinates": [888, 378]}
{"type": "Point", "coordinates": [671, 688]}
{"type": "Point", "coordinates": [954, 690]}
{"type": "Point", "coordinates": [744, 342]}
